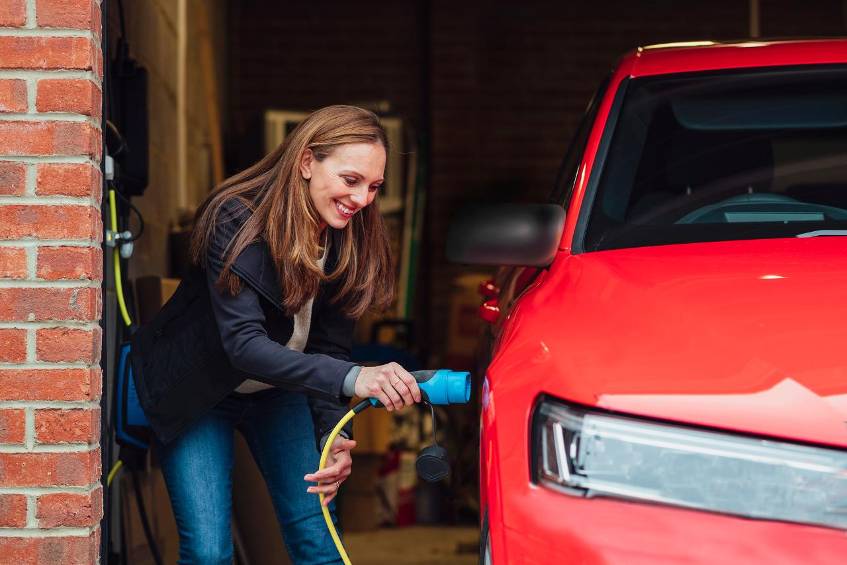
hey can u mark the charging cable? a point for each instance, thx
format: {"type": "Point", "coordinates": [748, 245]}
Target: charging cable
{"type": "Point", "coordinates": [437, 387]}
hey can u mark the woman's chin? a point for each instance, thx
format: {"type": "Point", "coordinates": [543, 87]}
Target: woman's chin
{"type": "Point", "coordinates": [337, 223]}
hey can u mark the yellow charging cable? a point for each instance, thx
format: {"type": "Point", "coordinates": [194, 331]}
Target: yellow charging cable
{"type": "Point", "coordinates": [324, 455]}
{"type": "Point", "coordinates": [325, 508]}
{"type": "Point", "coordinates": [119, 290]}
{"type": "Point", "coordinates": [115, 468]}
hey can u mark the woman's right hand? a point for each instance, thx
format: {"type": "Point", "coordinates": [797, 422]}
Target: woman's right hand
{"type": "Point", "coordinates": [391, 384]}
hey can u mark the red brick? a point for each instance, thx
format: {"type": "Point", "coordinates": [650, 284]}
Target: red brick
{"type": "Point", "coordinates": [51, 221]}
{"type": "Point", "coordinates": [97, 28]}
{"type": "Point", "coordinates": [68, 140]}
{"type": "Point", "coordinates": [69, 345]}
{"type": "Point", "coordinates": [51, 550]}
{"type": "Point", "coordinates": [70, 263]}
{"type": "Point", "coordinates": [49, 469]}
{"type": "Point", "coordinates": [12, 178]}
{"type": "Point", "coordinates": [73, 14]}
{"type": "Point", "coordinates": [12, 345]}
{"type": "Point", "coordinates": [67, 426]}
{"type": "Point", "coordinates": [12, 424]}
{"type": "Point", "coordinates": [12, 13]}
{"type": "Point", "coordinates": [68, 180]}
{"type": "Point", "coordinates": [45, 304]}
{"type": "Point", "coordinates": [68, 95]}
{"type": "Point", "coordinates": [13, 263]}
{"type": "Point", "coordinates": [98, 60]}
{"type": "Point", "coordinates": [12, 511]}
{"type": "Point", "coordinates": [13, 96]}
{"type": "Point", "coordinates": [70, 510]}
{"type": "Point", "coordinates": [78, 53]}
{"type": "Point", "coordinates": [49, 138]}
{"type": "Point", "coordinates": [50, 384]}
{"type": "Point", "coordinates": [55, 263]}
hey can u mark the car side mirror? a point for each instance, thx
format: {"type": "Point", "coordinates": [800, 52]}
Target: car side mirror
{"type": "Point", "coordinates": [524, 235]}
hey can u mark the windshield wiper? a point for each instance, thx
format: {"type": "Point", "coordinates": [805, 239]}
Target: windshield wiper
{"type": "Point", "coordinates": [818, 233]}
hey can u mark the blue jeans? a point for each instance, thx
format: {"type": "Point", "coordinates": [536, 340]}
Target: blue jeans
{"type": "Point", "coordinates": [197, 467]}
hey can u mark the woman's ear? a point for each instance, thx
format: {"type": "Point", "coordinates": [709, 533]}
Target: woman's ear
{"type": "Point", "coordinates": [306, 163]}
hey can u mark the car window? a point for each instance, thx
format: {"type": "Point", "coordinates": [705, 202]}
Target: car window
{"type": "Point", "coordinates": [724, 156]}
{"type": "Point", "coordinates": [566, 177]}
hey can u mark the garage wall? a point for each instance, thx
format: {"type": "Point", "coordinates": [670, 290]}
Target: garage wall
{"type": "Point", "coordinates": [787, 18]}
{"type": "Point", "coordinates": [507, 82]}
{"type": "Point", "coordinates": [302, 55]}
{"type": "Point", "coordinates": [152, 33]}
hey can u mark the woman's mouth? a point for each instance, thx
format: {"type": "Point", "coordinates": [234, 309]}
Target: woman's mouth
{"type": "Point", "coordinates": [345, 212]}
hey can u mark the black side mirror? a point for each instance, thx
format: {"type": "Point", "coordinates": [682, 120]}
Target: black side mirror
{"type": "Point", "coordinates": [524, 235]}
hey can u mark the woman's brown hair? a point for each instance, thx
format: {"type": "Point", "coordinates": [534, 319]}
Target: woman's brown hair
{"type": "Point", "coordinates": [285, 217]}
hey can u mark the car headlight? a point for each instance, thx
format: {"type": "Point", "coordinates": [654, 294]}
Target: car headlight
{"type": "Point", "coordinates": [591, 453]}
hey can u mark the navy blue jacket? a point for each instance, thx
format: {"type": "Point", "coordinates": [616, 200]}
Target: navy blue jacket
{"type": "Point", "coordinates": [204, 343]}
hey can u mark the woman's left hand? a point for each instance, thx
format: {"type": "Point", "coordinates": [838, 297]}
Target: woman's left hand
{"type": "Point", "coordinates": [338, 467]}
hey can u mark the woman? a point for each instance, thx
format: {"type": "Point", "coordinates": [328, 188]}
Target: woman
{"type": "Point", "coordinates": [287, 254]}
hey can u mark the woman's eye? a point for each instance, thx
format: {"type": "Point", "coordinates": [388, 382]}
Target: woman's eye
{"type": "Point", "coordinates": [375, 188]}
{"type": "Point", "coordinates": [350, 181]}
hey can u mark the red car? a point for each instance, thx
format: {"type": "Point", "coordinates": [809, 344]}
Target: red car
{"type": "Point", "coordinates": [670, 383]}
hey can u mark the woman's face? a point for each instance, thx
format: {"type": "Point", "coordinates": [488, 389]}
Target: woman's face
{"type": "Point", "coordinates": [345, 182]}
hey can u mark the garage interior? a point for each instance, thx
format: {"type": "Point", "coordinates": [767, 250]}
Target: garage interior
{"type": "Point", "coordinates": [480, 101]}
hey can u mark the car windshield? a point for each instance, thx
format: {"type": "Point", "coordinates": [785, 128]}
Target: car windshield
{"type": "Point", "coordinates": [725, 156]}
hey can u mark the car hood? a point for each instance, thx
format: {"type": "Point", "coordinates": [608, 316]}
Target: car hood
{"type": "Point", "coordinates": [745, 336]}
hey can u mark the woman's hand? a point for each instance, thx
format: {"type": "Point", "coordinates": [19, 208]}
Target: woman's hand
{"type": "Point", "coordinates": [338, 467]}
{"type": "Point", "coordinates": [391, 384]}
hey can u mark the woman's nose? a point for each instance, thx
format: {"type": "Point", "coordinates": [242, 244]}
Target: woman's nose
{"type": "Point", "coordinates": [359, 196]}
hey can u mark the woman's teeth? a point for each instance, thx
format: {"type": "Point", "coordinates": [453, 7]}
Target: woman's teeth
{"type": "Point", "coordinates": [344, 210]}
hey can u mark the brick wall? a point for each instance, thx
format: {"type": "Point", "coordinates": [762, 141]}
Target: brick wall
{"type": "Point", "coordinates": [50, 272]}
{"type": "Point", "coordinates": [304, 55]}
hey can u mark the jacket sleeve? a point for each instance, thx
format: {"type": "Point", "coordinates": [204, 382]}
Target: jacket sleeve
{"type": "Point", "coordinates": [331, 333]}
{"type": "Point", "coordinates": [241, 324]}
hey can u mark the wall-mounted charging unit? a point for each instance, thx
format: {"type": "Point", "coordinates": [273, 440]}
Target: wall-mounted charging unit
{"type": "Point", "coordinates": [131, 426]}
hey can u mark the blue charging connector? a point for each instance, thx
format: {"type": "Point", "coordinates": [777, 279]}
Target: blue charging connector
{"type": "Point", "coordinates": [441, 387]}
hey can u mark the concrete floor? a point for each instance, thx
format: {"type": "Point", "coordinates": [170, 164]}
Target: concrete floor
{"type": "Point", "coordinates": [418, 545]}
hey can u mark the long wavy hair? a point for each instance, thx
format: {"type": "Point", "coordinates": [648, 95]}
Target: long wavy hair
{"type": "Point", "coordinates": [283, 214]}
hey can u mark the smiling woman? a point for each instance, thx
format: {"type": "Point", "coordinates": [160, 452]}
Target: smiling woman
{"type": "Point", "coordinates": [287, 254]}
{"type": "Point", "coordinates": [344, 147]}
{"type": "Point", "coordinates": [343, 182]}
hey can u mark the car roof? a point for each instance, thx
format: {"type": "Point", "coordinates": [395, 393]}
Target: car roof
{"type": "Point", "coordinates": [694, 56]}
